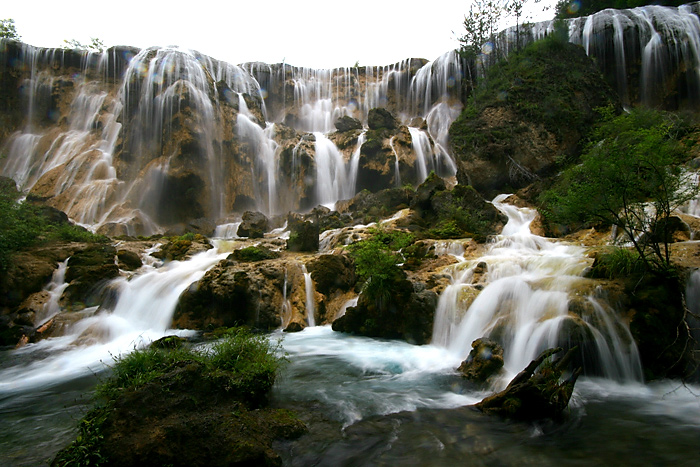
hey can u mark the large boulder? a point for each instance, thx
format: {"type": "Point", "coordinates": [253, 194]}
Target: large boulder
{"type": "Point", "coordinates": [403, 312]}
{"type": "Point", "coordinates": [347, 123]}
{"type": "Point", "coordinates": [253, 225]}
{"type": "Point", "coordinates": [303, 234]}
{"type": "Point", "coordinates": [380, 118]}
{"type": "Point", "coordinates": [88, 271]}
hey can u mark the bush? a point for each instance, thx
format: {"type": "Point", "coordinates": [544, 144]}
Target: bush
{"type": "Point", "coordinates": [23, 225]}
{"type": "Point", "coordinates": [377, 260]}
{"type": "Point", "coordinates": [240, 366]}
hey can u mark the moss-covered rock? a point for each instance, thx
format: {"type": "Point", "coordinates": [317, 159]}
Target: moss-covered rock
{"type": "Point", "coordinates": [531, 111]}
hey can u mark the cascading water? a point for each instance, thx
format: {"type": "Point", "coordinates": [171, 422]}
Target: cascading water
{"type": "Point", "coordinates": [649, 54]}
{"type": "Point", "coordinates": [525, 302]}
{"type": "Point", "coordinates": [310, 297]}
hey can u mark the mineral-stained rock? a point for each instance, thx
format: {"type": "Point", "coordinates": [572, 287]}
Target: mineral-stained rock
{"type": "Point", "coordinates": [253, 225]}
{"type": "Point", "coordinates": [484, 360]}
{"type": "Point", "coordinates": [332, 272]}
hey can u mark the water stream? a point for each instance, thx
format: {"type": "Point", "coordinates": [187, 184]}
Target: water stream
{"type": "Point", "coordinates": [373, 401]}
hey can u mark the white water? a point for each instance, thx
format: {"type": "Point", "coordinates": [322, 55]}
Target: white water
{"type": "Point", "coordinates": [525, 301]}
{"type": "Point", "coordinates": [310, 297]}
{"type": "Point", "coordinates": [55, 289]}
{"type": "Point", "coordinates": [142, 313]}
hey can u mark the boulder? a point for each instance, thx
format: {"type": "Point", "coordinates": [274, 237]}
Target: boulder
{"type": "Point", "coordinates": [380, 118]}
{"type": "Point", "coordinates": [253, 225]}
{"type": "Point", "coordinates": [303, 235]}
{"type": "Point", "coordinates": [347, 123]}
{"type": "Point", "coordinates": [87, 271]}
{"type": "Point", "coordinates": [128, 260]}
{"type": "Point", "coordinates": [332, 272]}
{"type": "Point", "coordinates": [484, 360]}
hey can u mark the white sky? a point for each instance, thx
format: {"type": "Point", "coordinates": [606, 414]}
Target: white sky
{"type": "Point", "coordinates": [311, 33]}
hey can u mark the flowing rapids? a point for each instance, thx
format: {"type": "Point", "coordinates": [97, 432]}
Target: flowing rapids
{"type": "Point", "coordinates": [379, 401]}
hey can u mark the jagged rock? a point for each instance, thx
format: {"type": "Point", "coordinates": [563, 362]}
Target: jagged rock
{"type": "Point", "coordinates": [253, 225]}
{"type": "Point", "coordinates": [426, 190]}
{"type": "Point", "coordinates": [380, 118]}
{"type": "Point", "coordinates": [484, 360]}
{"type": "Point", "coordinates": [347, 123]}
{"type": "Point", "coordinates": [535, 396]}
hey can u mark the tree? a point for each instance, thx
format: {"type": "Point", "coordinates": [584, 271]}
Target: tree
{"type": "Point", "coordinates": [8, 30]}
{"type": "Point", "coordinates": [95, 45]}
{"type": "Point", "coordinates": [630, 177]}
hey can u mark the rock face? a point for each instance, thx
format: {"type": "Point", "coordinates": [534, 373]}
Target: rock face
{"type": "Point", "coordinates": [484, 360]}
{"type": "Point", "coordinates": [535, 109]}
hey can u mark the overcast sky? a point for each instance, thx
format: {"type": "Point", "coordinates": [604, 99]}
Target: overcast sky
{"type": "Point", "coordinates": [312, 33]}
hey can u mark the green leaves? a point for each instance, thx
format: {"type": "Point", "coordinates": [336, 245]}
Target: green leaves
{"type": "Point", "coordinates": [377, 259]}
{"type": "Point", "coordinates": [629, 176]}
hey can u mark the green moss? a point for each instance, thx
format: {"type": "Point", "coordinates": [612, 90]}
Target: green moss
{"type": "Point", "coordinates": [252, 254]}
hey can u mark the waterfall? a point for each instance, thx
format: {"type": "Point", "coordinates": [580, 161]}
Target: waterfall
{"type": "Point", "coordinates": [332, 181]}
{"type": "Point", "coordinates": [310, 297]}
{"type": "Point", "coordinates": [55, 289]}
{"type": "Point", "coordinates": [528, 286]}
{"type": "Point", "coordinates": [650, 48]}
{"type": "Point", "coordinates": [424, 153]}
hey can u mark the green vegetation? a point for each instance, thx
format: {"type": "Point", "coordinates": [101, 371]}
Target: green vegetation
{"type": "Point", "coordinates": [95, 45]}
{"type": "Point", "coordinates": [577, 8]}
{"type": "Point", "coordinates": [615, 262]}
{"type": "Point", "coordinates": [252, 254]}
{"type": "Point", "coordinates": [377, 260]}
{"type": "Point", "coordinates": [241, 366]}
{"type": "Point", "coordinates": [8, 30]}
{"type": "Point", "coordinates": [629, 176]}
{"type": "Point", "coordinates": [24, 225]}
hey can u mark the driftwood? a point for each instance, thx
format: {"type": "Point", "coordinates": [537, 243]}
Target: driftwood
{"type": "Point", "coordinates": [534, 396]}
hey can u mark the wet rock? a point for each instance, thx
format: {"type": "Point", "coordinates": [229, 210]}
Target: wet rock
{"type": "Point", "coordinates": [303, 235]}
{"type": "Point", "coordinates": [253, 225]}
{"type": "Point", "coordinates": [332, 272]}
{"type": "Point", "coordinates": [535, 393]}
{"type": "Point", "coordinates": [294, 326]}
{"type": "Point", "coordinates": [251, 254]}
{"type": "Point", "coordinates": [128, 260]}
{"type": "Point", "coordinates": [88, 270]}
{"type": "Point", "coordinates": [401, 313]}
{"type": "Point", "coordinates": [347, 123]}
{"type": "Point", "coordinates": [380, 118]}
{"type": "Point", "coordinates": [180, 248]}
{"type": "Point", "coordinates": [484, 360]}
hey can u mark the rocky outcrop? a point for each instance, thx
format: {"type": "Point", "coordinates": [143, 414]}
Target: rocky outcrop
{"type": "Point", "coordinates": [536, 110]}
{"type": "Point", "coordinates": [484, 360]}
{"type": "Point", "coordinates": [253, 225]}
{"type": "Point", "coordinates": [405, 312]}
{"type": "Point", "coordinates": [243, 293]}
